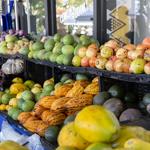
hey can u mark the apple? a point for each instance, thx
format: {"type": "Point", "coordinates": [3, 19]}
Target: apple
{"type": "Point", "coordinates": [113, 58]}
{"type": "Point", "coordinates": [94, 46]}
{"type": "Point", "coordinates": [109, 65]}
{"type": "Point", "coordinates": [118, 65]}
{"type": "Point", "coordinates": [101, 62]}
{"type": "Point", "coordinates": [146, 42]}
{"type": "Point", "coordinates": [82, 52]}
{"type": "Point", "coordinates": [147, 68]}
{"type": "Point", "coordinates": [137, 66]}
{"type": "Point", "coordinates": [130, 54]}
{"type": "Point", "coordinates": [91, 52]}
{"type": "Point", "coordinates": [130, 47]}
{"type": "Point", "coordinates": [76, 61]}
{"type": "Point", "coordinates": [92, 61]}
{"type": "Point", "coordinates": [147, 55]}
{"type": "Point", "coordinates": [112, 44]}
{"type": "Point", "coordinates": [141, 47]}
{"type": "Point", "coordinates": [106, 52]}
{"type": "Point", "coordinates": [126, 65]}
{"type": "Point", "coordinates": [85, 62]}
{"type": "Point", "coordinates": [122, 53]}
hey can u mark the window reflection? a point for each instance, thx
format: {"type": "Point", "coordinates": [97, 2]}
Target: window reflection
{"type": "Point", "coordinates": [74, 16]}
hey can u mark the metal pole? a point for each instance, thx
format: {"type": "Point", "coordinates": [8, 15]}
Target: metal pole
{"type": "Point", "coordinates": [50, 17]}
{"type": "Point", "coordinates": [16, 15]}
{"type": "Point", "coordinates": [100, 20]}
{"type": "Point", "coordinates": [28, 16]}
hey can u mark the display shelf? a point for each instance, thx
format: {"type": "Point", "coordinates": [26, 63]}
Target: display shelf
{"type": "Point", "coordinates": [20, 129]}
{"type": "Point", "coordinates": [136, 78]}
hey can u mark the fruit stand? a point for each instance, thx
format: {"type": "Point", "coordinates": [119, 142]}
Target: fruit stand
{"type": "Point", "coordinates": [67, 88]}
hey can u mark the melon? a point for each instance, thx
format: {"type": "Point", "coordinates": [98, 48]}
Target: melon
{"type": "Point", "coordinates": [57, 48]}
{"type": "Point", "coordinates": [37, 46]}
{"type": "Point", "coordinates": [49, 44]}
{"type": "Point", "coordinates": [68, 39]}
{"type": "Point", "coordinates": [98, 123]}
{"type": "Point", "coordinates": [57, 37]}
{"type": "Point", "coordinates": [59, 59]}
{"type": "Point", "coordinates": [68, 50]}
{"type": "Point", "coordinates": [24, 51]}
{"type": "Point", "coordinates": [68, 136]}
{"type": "Point", "coordinates": [67, 60]}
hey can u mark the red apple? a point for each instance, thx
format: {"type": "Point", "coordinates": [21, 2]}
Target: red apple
{"type": "Point", "coordinates": [135, 54]}
{"type": "Point", "coordinates": [85, 62]}
{"type": "Point", "coordinates": [141, 47]}
{"type": "Point", "coordinates": [146, 42]}
{"type": "Point", "coordinates": [92, 61]}
{"type": "Point", "coordinates": [91, 52]}
{"type": "Point", "coordinates": [112, 44]}
{"type": "Point", "coordinates": [147, 68]}
{"type": "Point", "coordinates": [126, 65]}
{"type": "Point", "coordinates": [130, 54]}
{"type": "Point", "coordinates": [82, 52]}
{"type": "Point", "coordinates": [94, 46]}
{"type": "Point", "coordinates": [109, 65]}
{"type": "Point", "coordinates": [118, 65]}
{"type": "Point", "coordinates": [101, 62]}
{"type": "Point", "coordinates": [113, 58]}
{"type": "Point", "coordinates": [147, 55]}
{"type": "Point", "coordinates": [122, 53]}
{"type": "Point", "coordinates": [130, 47]}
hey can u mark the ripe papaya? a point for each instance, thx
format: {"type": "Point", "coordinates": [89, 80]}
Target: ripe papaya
{"type": "Point", "coordinates": [68, 137]}
{"type": "Point", "coordinates": [97, 124]}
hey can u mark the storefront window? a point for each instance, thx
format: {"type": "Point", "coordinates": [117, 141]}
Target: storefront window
{"type": "Point", "coordinates": [74, 16]}
{"type": "Point", "coordinates": [37, 11]}
{"type": "Point", "coordinates": [128, 20]}
{"type": "Point", "coordinates": [142, 20]}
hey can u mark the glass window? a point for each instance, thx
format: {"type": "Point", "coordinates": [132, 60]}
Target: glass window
{"type": "Point", "coordinates": [142, 20]}
{"type": "Point", "coordinates": [120, 17]}
{"type": "Point", "coordinates": [75, 16]}
{"type": "Point", "coordinates": [37, 11]}
{"type": "Point", "coordinates": [128, 20]}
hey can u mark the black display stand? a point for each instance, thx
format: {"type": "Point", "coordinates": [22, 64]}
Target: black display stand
{"type": "Point", "coordinates": [39, 71]}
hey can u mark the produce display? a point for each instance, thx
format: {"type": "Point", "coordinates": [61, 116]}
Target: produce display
{"type": "Point", "coordinates": [50, 109]}
{"type": "Point", "coordinates": [82, 51]}
{"type": "Point", "coordinates": [74, 113]}
{"type": "Point", "coordinates": [38, 107]}
{"type": "Point", "coordinates": [96, 128]}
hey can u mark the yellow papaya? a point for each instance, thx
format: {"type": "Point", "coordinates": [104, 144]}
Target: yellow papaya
{"type": "Point", "coordinates": [137, 144]}
{"type": "Point", "coordinates": [97, 124]}
{"type": "Point", "coordinates": [65, 148]}
{"type": "Point", "coordinates": [98, 146]}
{"type": "Point", "coordinates": [68, 137]}
{"type": "Point", "coordinates": [17, 87]}
{"type": "Point", "coordinates": [128, 132]}
{"type": "Point", "coordinates": [10, 145]}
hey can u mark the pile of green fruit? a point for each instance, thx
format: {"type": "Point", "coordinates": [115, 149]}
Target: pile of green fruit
{"type": "Point", "coordinates": [59, 49]}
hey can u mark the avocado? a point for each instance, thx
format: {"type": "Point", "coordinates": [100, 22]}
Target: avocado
{"type": "Point", "coordinates": [116, 91]}
{"type": "Point", "coordinates": [100, 98]}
